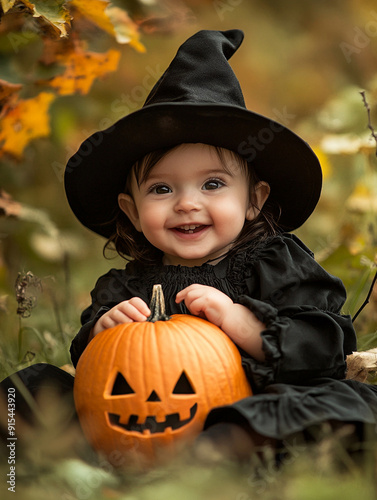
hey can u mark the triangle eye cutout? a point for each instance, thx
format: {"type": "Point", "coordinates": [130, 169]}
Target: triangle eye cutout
{"type": "Point", "coordinates": [121, 386]}
{"type": "Point", "coordinates": [183, 386]}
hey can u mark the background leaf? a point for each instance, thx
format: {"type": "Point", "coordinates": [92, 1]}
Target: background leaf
{"type": "Point", "coordinates": [27, 120]}
{"type": "Point", "coordinates": [81, 70]}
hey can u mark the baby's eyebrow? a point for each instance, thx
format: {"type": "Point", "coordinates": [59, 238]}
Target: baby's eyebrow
{"type": "Point", "coordinates": [204, 172]}
{"type": "Point", "coordinates": [218, 171]}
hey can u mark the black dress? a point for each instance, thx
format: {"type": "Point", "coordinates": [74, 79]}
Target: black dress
{"type": "Point", "coordinates": [301, 383]}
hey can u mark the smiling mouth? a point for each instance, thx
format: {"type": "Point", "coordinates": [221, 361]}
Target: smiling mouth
{"type": "Point", "coordinates": [151, 425]}
{"type": "Point", "coordinates": [190, 228]}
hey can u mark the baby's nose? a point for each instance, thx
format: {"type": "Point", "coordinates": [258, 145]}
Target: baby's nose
{"type": "Point", "coordinates": [187, 202]}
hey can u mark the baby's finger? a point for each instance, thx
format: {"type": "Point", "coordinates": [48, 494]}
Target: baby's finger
{"type": "Point", "coordinates": [120, 316]}
{"type": "Point", "coordinates": [132, 312]}
{"type": "Point", "coordinates": [187, 292]}
{"type": "Point", "coordinates": [180, 296]}
{"type": "Point", "coordinates": [195, 306]}
{"type": "Point", "coordinates": [140, 305]}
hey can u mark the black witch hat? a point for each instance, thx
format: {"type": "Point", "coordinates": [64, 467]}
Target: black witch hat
{"type": "Point", "coordinates": [197, 100]}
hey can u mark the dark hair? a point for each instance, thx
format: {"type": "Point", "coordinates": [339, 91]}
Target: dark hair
{"type": "Point", "coordinates": [132, 244]}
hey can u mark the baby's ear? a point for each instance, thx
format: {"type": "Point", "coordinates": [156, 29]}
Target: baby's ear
{"type": "Point", "coordinates": [257, 199]}
{"type": "Point", "coordinates": [127, 205]}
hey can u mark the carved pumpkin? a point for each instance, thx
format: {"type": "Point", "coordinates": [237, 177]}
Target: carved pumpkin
{"type": "Point", "coordinates": [143, 388]}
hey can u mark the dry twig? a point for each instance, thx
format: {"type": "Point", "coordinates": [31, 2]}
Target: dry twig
{"type": "Point", "coordinates": [370, 126]}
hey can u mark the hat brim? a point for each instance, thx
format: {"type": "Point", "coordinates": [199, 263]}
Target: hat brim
{"type": "Point", "coordinates": [97, 173]}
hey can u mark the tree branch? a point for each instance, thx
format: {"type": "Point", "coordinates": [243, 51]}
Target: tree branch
{"type": "Point", "coordinates": [370, 126]}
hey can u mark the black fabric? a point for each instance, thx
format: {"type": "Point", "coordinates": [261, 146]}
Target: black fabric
{"type": "Point", "coordinates": [41, 375]}
{"type": "Point", "coordinates": [306, 340]}
{"type": "Point", "coordinates": [284, 410]}
{"type": "Point", "coordinates": [197, 100]}
{"type": "Point", "coordinates": [200, 71]}
{"type": "Point", "coordinates": [35, 378]}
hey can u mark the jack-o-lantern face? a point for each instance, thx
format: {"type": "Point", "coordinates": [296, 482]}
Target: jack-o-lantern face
{"type": "Point", "coordinates": [143, 388]}
{"type": "Point", "coordinates": [150, 425]}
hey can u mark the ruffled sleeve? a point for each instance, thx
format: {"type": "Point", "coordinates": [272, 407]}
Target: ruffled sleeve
{"type": "Point", "coordinates": [111, 288]}
{"type": "Point", "coordinates": [306, 336]}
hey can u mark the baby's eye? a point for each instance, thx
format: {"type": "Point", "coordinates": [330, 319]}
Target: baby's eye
{"type": "Point", "coordinates": [160, 189]}
{"type": "Point", "coordinates": [213, 184]}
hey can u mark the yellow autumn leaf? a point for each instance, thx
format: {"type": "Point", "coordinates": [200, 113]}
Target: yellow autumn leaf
{"type": "Point", "coordinates": [324, 161]}
{"type": "Point", "coordinates": [111, 19]}
{"type": "Point", "coordinates": [27, 120]}
{"type": "Point", "coordinates": [95, 11]}
{"type": "Point", "coordinates": [81, 69]}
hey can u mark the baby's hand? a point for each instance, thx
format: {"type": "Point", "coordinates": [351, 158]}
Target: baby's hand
{"type": "Point", "coordinates": [238, 322]}
{"type": "Point", "coordinates": [206, 302]}
{"type": "Point", "coordinates": [127, 311]}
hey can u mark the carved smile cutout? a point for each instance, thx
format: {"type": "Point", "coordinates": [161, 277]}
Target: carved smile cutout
{"type": "Point", "coordinates": [150, 424]}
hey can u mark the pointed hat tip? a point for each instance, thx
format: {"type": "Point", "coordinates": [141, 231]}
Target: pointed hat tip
{"type": "Point", "coordinates": [227, 41]}
{"type": "Point", "coordinates": [235, 35]}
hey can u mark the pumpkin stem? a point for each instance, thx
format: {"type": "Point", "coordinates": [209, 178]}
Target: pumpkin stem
{"type": "Point", "coordinates": [157, 306]}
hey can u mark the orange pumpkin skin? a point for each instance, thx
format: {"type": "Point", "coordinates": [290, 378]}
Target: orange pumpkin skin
{"type": "Point", "coordinates": [151, 358]}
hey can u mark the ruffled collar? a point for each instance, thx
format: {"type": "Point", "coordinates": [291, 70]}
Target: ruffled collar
{"type": "Point", "coordinates": [230, 265]}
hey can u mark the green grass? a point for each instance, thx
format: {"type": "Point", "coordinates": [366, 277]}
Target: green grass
{"type": "Point", "coordinates": [320, 472]}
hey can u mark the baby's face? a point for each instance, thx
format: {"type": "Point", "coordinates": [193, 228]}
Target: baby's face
{"type": "Point", "coordinates": [190, 206]}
